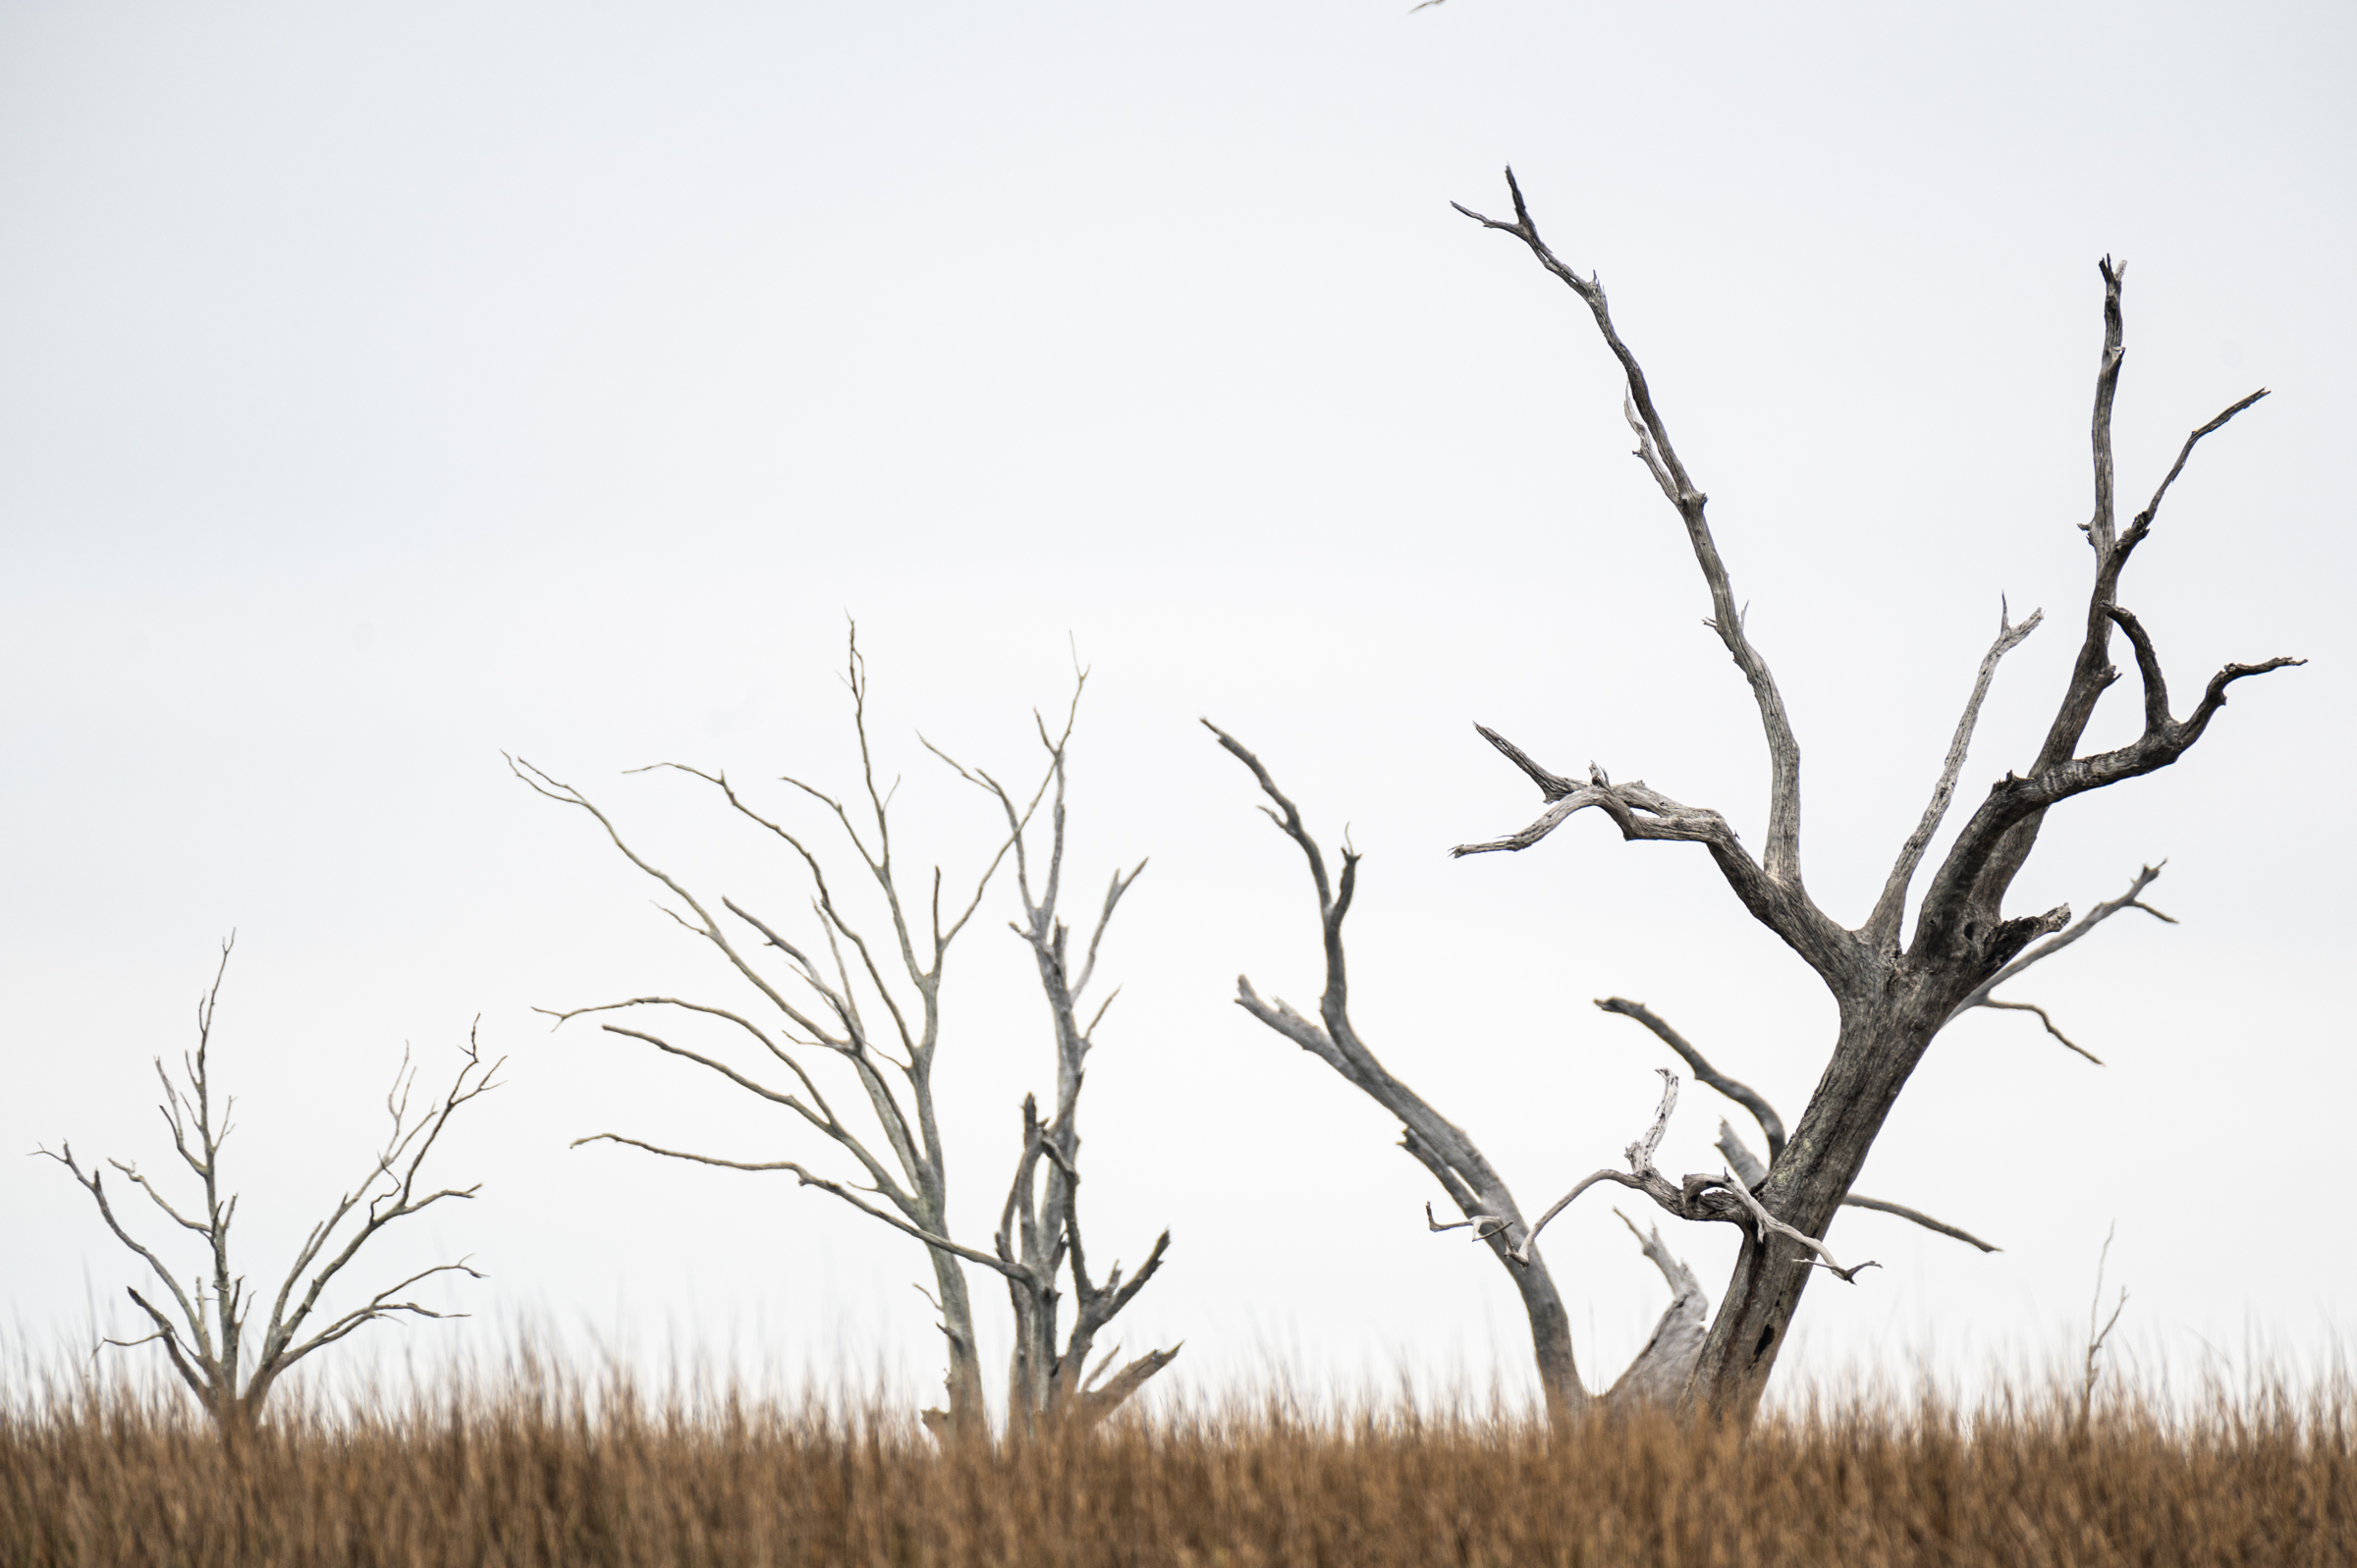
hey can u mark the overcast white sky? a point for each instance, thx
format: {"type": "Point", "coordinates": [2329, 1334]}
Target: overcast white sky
{"type": "Point", "coordinates": [382, 387]}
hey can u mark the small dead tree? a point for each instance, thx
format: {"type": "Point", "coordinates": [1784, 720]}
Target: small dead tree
{"type": "Point", "coordinates": [204, 1335]}
{"type": "Point", "coordinates": [1039, 1234]}
{"type": "Point", "coordinates": [1892, 999]}
{"type": "Point", "coordinates": [818, 1009]}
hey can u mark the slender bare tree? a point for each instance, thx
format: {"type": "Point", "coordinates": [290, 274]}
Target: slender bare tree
{"type": "Point", "coordinates": [1892, 999]}
{"type": "Point", "coordinates": [818, 1009]}
{"type": "Point", "coordinates": [1039, 1234]}
{"type": "Point", "coordinates": [204, 1335]}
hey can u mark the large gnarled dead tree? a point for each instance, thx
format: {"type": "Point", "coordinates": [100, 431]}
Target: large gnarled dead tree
{"type": "Point", "coordinates": [204, 1335]}
{"type": "Point", "coordinates": [1892, 998]}
{"type": "Point", "coordinates": [905, 1183]}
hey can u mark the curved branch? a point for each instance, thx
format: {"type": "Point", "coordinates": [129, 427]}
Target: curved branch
{"type": "Point", "coordinates": [1772, 1126]}
{"type": "Point", "coordinates": [1856, 1201]}
{"type": "Point", "coordinates": [1662, 461]}
{"type": "Point", "coordinates": [1643, 813]}
{"type": "Point", "coordinates": [1984, 852]}
{"type": "Point", "coordinates": [1430, 1138]}
{"type": "Point", "coordinates": [1763, 1223]}
{"type": "Point", "coordinates": [1684, 1200]}
{"type": "Point", "coordinates": [2047, 1019]}
{"type": "Point", "coordinates": [822, 1116]}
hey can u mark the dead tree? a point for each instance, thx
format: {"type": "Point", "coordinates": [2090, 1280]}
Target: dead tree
{"type": "Point", "coordinates": [1039, 1235]}
{"type": "Point", "coordinates": [204, 1335]}
{"type": "Point", "coordinates": [818, 1009]}
{"type": "Point", "coordinates": [1892, 999]}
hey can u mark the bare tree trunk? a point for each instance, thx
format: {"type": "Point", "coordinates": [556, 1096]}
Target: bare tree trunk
{"type": "Point", "coordinates": [1878, 1049]}
{"type": "Point", "coordinates": [962, 1384]}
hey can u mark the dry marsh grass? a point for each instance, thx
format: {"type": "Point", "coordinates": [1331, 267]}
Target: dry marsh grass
{"type": "Point", "coordinates": [538, 1469]}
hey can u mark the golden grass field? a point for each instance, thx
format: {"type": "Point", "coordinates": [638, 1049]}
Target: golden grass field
{"type": "Point", "coordinates": [536, 1469]}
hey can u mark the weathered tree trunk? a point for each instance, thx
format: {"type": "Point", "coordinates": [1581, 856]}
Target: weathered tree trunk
{"type": "Point", "coordinates": [1879, 1048]}
{"type": "Point", "coordinates": [962, 1384]}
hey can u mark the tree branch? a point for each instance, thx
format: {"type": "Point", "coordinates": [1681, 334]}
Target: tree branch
{"type": "Point", "coordinates": [807, 1178]}
{"type": "Point", "coordinates": [1994, 846]}
{"type": "Point", "coordinates": [2016, 800]}
{"type": "Point", "coordinates": [2132, 899]}
{"type": "Point", "coordinates": [1749, 1171]}
{"type": "Point", "coordinates": [1772, 1126]}
{"type": "Point", "coordinates": [1857, 1201]}
{"type": "Point", "coordinates": [1881, 929]}
{"type": "Point", "coordinates": [1763, 1223]}
{"type": "Point", "coordinates": [1689, 1200]}
{"type": "Point", "coordinates": [1431, 1139]}
{"type": "Point", "coordinates": [1783, 865]}
{"type": "Point", "coordinates": [1641, 813]}
{"type": "Point", "coordinates": [2143, 525]}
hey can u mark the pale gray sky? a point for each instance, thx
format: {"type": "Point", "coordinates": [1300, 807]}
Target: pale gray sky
{"type": "Point", "coordinates": [383, 387]}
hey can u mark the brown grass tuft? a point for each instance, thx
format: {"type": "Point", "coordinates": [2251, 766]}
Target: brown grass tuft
{"type": "Point", "coordinates": [540, 1470]}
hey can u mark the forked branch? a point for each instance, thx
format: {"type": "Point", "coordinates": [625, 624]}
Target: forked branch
{"type": "Point", "coordinates": [1695, 1198]}
{"type": "Point", "coordinates": [2132, 899]}
{"type": "Point", "coordinates": [1995, 842]}
{"type": "Point", "coordinates": [1772, 1126]}
{"type": "Point", "coordinates": [1642, 813]}
{"type": "Point", "coordinates": [2016, 801]}
{"type": "Point", "coordinates": [1659, 456]}
{"type": "Point", "coordinates": [1431, 1139]}
{"type": "Point", "coordinates": [1881, 929]}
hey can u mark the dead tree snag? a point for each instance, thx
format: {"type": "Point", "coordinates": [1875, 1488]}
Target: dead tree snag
{"type": "Point", "coordinates": [1892, 996]}
{"type": "Point", "coordinates": [874, 1006]}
